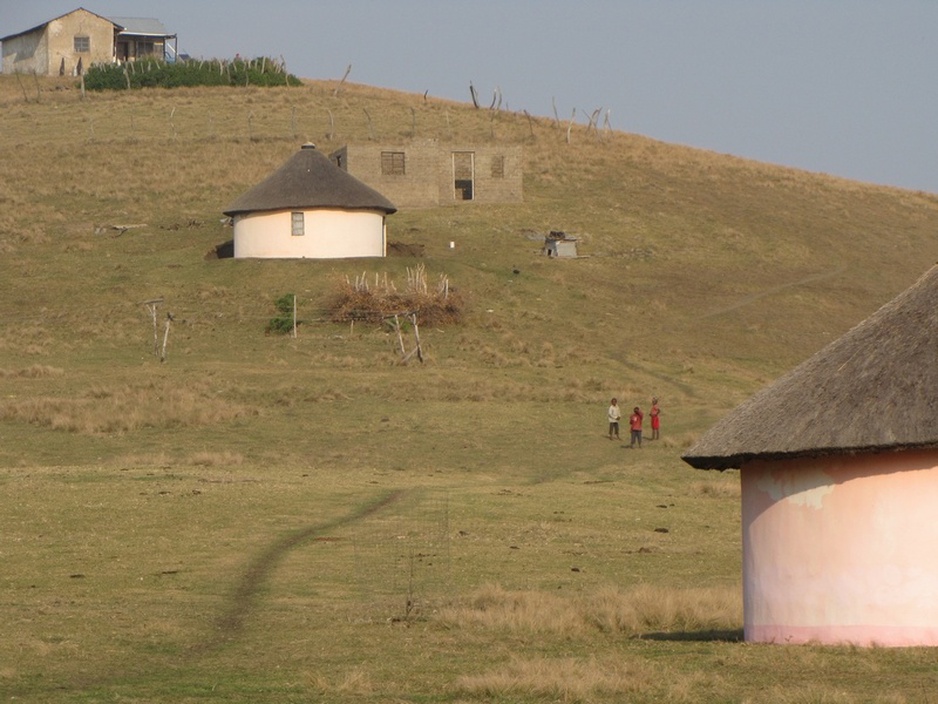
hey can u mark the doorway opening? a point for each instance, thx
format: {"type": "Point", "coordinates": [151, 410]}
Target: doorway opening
{"type": "Point", "coordinates": [463, 175]}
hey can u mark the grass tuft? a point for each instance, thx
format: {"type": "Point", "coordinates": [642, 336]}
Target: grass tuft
{"type": "Point", "coordinates": [35, 371]}
{"type": "Point", "coordinates": [638, 611]}
{"type": "Point", "coordinates": [563, 679]}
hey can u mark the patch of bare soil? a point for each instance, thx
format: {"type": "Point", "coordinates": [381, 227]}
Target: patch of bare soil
{"type": "Point", "coordinates": [403, 249]}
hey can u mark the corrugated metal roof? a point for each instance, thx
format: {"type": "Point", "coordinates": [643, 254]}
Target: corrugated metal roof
{"type": "Point", "coordinates": [143, 26]}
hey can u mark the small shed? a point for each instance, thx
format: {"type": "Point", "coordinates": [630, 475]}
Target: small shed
{"type": "Point", "coordinates": [559, 244]}
{"type": "Point", "coordinates": [838, 465]}
{"type": "Point", "coordinates": [310, 208]}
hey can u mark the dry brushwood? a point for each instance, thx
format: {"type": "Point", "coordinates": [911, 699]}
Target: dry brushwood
{"type": "Point", "coordinates": [375, 300]}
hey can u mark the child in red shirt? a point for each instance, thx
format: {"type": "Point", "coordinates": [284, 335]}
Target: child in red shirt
{"type": "Point", "coordinates": [655, 412]}
{"type": "Point", "coordinates": [635, 423]}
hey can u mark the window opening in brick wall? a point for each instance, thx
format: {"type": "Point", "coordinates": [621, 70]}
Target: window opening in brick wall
{"type": "Point", "coordinates": [463, 175]}
{"type": "Point", "coordinates": [82, 44]}
{"type": "Point", "coordinates": [392, 163]}
{"type": "Point", "coordinates": [498, 166]}
{"type": "Point", "coordinates": [298, 224]}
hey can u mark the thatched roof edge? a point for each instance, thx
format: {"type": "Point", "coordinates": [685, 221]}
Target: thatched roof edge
{"type": "Point", "coordinates": [308, 179]}
{"type": "Point", "coordinates": [871, 390]}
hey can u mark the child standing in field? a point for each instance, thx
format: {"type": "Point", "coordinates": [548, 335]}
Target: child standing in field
{"type": "Point", "coordinates": [614, 415]}
{"type": "Point", "coordinates": [655, 414]}
{"type": "Point", "coordinates": [635, 424]}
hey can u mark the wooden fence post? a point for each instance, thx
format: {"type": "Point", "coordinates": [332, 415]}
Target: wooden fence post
{"type": "Point", "coordinates": [169, 319]}
{"type": "Point", "coordinates": [152, 305]}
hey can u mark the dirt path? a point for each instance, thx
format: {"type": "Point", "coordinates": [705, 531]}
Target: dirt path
{"type": "Point", "coordinates": [752, 298]}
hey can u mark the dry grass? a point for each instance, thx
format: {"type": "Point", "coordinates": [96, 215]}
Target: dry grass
{"type": "Point", "coordinates": [721, 485]}
{"type": "Point", "coordinates": [34, 371]}
{"type": "Point", "coordinates": [635, 612]}
{"type": "Point", "coordinates": [122, 409]}
{"type": "Point", "coordinates": [564, 679]}
{"type": "Point", "coordinates": [355, 682]}
{"type": "Point", "coordinates": [819, 693]}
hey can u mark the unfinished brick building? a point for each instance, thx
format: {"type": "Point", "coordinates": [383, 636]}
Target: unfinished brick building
{"type": "Point", "coordinates": [427, 173]}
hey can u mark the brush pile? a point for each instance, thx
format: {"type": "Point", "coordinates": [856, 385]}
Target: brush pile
{"type": "Point", "coordinates": [373, 299]}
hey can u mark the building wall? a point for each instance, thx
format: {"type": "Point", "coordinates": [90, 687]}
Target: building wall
{"type": "Point", "coordinates": [841, 550]}
{"type": "Point", "coordinates": [328, 234]}
{"type": "Point", "coordinates": [487, 188]}
{"type": "Point", "coordinates": [51, 49]}
{"type": "Point", "coordinates": [416, 187]}
{"type": "Point", "coordinates": [428, 178]}
{"type": "Point", "coordinates": [27, 53]}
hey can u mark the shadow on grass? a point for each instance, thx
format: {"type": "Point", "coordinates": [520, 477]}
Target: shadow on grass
{"type": "Point", "coordinates": [734, 635]}
{"type": "Point", "coordinates": [246, 593]}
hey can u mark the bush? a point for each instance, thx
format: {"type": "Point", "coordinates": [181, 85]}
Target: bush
{"type": "Point", "coordinates": [213, 72]}
{"type": "Point", "coordinates": [283, 323]}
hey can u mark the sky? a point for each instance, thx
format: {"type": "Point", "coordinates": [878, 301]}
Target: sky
{"type": "Point", "coordinates": [843, 87]}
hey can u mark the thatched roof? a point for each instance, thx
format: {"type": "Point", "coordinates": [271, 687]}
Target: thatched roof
{"type": "Point", "coordinates": [873, 390]}
{"type": "Point", "coordinates": [309, 179]}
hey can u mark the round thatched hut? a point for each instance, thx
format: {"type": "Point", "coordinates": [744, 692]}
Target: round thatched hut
{"type": "Point", "coordinates": [310, 208]}
{"type": "Point", "coordinates": [839, 469]}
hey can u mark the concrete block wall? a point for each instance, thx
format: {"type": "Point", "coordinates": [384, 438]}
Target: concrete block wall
{"type": "Point", "coordinates": [428, 178]}
{"type": "Point", "coordinates": [52, 48]}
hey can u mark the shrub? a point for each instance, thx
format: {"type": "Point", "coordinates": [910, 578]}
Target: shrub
{"type": "Point", "coordinates": [213, 72]}
{"type": "Point", "coordinates": [283, 323]}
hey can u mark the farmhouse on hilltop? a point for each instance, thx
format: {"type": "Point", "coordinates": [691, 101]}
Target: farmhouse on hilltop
{"type": "Point", "coordinates": [428, 174]}
{"type": "Point", "coordinates": [68, 45]}
{"type": "Point", "coordinates": [310, 208]}
{"type": "Point", "coordinates": [838, 462]}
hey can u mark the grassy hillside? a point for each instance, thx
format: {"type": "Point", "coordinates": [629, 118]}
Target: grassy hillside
{"type": "Point", "coordinates": [706, 275]}
{"type": "Point", "coordinates": [262, 518]}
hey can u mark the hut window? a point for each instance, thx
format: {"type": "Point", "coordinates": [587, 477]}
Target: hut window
{"type": "Point", "coordinates": [298, 224]}
{"type": "Point", "coordinates": [392, 163]}
{"type": "Point", "coordinates": [498, 166]}
{"type": "Point", "coordinates": [82, 44]}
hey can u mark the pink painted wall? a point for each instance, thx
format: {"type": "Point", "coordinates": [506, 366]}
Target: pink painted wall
{"type": "Point", "coordinates": [842, 549]}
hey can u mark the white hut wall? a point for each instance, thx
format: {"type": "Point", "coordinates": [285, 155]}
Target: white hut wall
{"type": "Point", "coordinates": [327, 234]}
{"type": "Point", "coordinates": [841, 549]}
